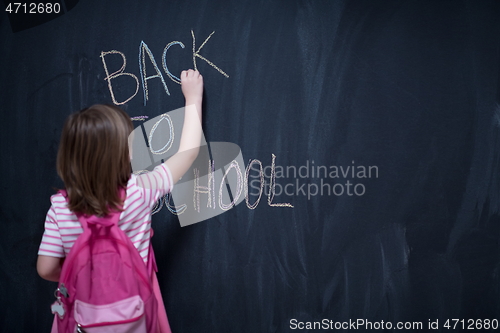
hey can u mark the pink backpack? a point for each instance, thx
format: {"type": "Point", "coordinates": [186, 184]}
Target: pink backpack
{"type": "Point", "coordinates": [105, 285]}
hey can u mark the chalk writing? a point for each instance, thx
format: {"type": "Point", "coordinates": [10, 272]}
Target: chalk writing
{"type": "Point", "coordinates": [164, 62]}
{"type": "Point", "coordinates": [234, 165]}
{"type": "Point", "coordinates": [116, 74]}
{"type": "Point", "coordinates": [209, 189]}
{"type": "Point", "coordinates": [143, 49]}
{"type": "Point", "coordinates": [176, 210]}
{"type": "Point", "coordinates": [261, 174]}
{"type": "Point", "coordinates": [272, 186]}
{"type": "Point", "coordinates": [197, 54]}
{"type": "Point", "coordinates": [139, 118]}
{"type": "Point", "coordinates": [158, 205]}
{"type": "Point", "coordinates": [171, 137]}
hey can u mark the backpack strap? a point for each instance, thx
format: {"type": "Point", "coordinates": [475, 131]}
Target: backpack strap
{"type": "Point", "coordinates": [114, 219]}
{"type": "Point", "coordinates": [109, 220]}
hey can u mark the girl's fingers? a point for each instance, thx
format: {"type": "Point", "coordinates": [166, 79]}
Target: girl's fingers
{"type": "Point", "coordinates": [190, 74]}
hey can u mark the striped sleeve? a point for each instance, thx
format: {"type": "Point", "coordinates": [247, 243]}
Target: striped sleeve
{"type": "Point", "coordinates": [156, 183]}
{"type": "Point", "coordinates": [51, 244]}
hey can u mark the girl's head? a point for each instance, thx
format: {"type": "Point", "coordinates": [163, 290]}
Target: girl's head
{"type": "Point", "coordinates": [94, 159]}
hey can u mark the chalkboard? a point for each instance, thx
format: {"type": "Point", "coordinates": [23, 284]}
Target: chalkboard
{"type": "Point", "coordinates": [370, 138]}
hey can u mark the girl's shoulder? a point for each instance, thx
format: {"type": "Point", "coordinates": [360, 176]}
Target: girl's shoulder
{"type": "Point", "coordinates": [59, 208]}
{"type": "Point", "coordinates": [58, 199]}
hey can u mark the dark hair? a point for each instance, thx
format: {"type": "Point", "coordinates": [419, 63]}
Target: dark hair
{"type": "Point", "coordinates": [94, 160]}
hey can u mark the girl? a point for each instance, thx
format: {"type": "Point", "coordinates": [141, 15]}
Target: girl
{"type": "Point", "coordinates": [94, 161]}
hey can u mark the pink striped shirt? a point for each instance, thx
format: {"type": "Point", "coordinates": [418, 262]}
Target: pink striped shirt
{"type": "Point", "coordinates": [62, 227]}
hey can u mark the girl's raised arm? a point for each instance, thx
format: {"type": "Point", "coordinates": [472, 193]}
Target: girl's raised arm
{"type": "Point", "coordinates": [192, 88]}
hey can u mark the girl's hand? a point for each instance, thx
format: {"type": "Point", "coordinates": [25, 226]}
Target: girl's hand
{"type": "Point", "coordinates": [192, 86]}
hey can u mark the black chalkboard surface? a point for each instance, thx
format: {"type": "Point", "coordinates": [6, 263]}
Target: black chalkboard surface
{"type": "Point", "coordinates": [375, 122]}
